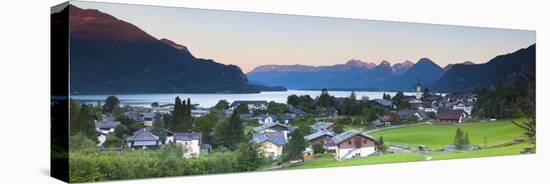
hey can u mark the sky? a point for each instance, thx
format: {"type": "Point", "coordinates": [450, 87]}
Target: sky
{"type": "Point", "coordinates": [252, 39]}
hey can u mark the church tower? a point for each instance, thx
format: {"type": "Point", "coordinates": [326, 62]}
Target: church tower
{"type": "Point", "coordinates": [418, 91]}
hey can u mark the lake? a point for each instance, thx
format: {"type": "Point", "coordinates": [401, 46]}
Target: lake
{"type": "Point", "coordinates": [209, 100]}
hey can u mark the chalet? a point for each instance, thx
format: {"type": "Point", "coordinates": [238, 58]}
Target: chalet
{"type": "Point", "coordinates": [271, 143]}
{"type": "Point", "coordinates": [406, 114]}
{"type": "Point", "coordinates": [379, 123]}
{"type": "Point", "coordinates": [332, 111]}
{"type": "Point", "coordinates": [466, 107]}
{"type": "Point", "coordinates": [252, 105]}
{"type": "Point", "coordinates": [265, 119]}
{"type": "Point", "coordinates": [322, 126]}
{"type": "Point", "coordinates": [384, 103]}
{"type": "Point", "coordinates": [296, 111]}
{"type": "Point", "coordinates": [143, 139]}
{"type": "Point", "coordinates": [146, 118]}
{"type": "Point", "coordinates": [321, 137]}
{"type": "Point", "coordinates": [352, 143]}
{"type": "Point", "coordinates": [107, 125]}
{"type": "Point", "coordinates": [427, 107]}
{"type": "Point", "coordinates": [274, 127]}
{"type": "Point", "coordinates": [451, 116]}
{"type": "Point", "coordinates": [192, 144]}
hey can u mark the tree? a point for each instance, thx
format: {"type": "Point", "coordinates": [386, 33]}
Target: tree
{"type": "Point", "coordinates": [155, 105]}
{"type": "Point", "coordinates": [461, 140]}
{"type": "Point", "coordinates": [242, 109]}
{"type": "Point", "coordinates": [207, 123]}
{"type": "Point", "coordinates": [276, 108]}
{"type": "Point", "coordinates": [318, 148]}
{"type": "Point", "coordinates": [112, 141]}
{"type": "Point", "coordinates": [398, 97]}
{"type": "Point", "coordinates": [110, 103]}
{"type": "Point", "coordinates": [229, 134]}
{"type": "Point", "coordinates": [121, 131]}
{"type": "Point", "coordinates": [325, 100]}
{"type": "Point", "coordinates": [293, 100]}
{"type": "Point", "coordinates": [338, 128]}
{"type": "Point", "coordinates": [294, 148]}
{"type": "Point", "coordinates": [404, 105]}
{"type": "Point", "coordinates": [386, 96]}
{"type": "Point", "coordinates": [222, 105]}
{"type": "Point", "coordinates": [181, 120]}
{"type": "Point", "coordinates": [80, 142]}
{"type": "Point", "coordinates": [249, 157]}
{"type": "Point", "coordinates": [83, 122]}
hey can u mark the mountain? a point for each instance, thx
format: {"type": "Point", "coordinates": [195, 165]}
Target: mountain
{"type": "Point", "coordinates": [400, 68]}
{"type": "Point", "coordinates": [503, 68]}
{"type": "Point", "coordinates": [446, 68]}
{"type": "Point", "coordinates": [109, 55]}
{"type": "Point", "coordinates": [353, 74]}
{"type": "Point", "coordinates": [424, 70]}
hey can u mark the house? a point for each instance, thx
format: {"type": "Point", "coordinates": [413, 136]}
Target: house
{"type": "Point", "coordinates": [308, 154]}
{"type": "Point", "coordinates": [146, 118]}
{"type": "Point", "coordinates": [296, 111]}
{"type": "Point", "coordinates": [143, 139]}
{"type": "Point", "coordinates": [322, 126]}
{"type": "Point", "coordinates": [332, 111]}
{"type": "Point", "coordinates": [107, 125]}
{"type": "Point", "coordinates": [271, 143]}
{"type": "Point", "coordinates": [466, 107]}
{"type": "Point", "coordinates": [101, 137]}
{"type": "Point", "coordinates": [427, 107]}
{"type": "Point", "coordinates": [191, 143]}
{"type": "Point", "coordinates": [252, 104]}
{"type": "Point", "coordinates": [321, 137]}
{"type": "Point", "coordinates": [451, 116]}
{"type": "Point", "coordinates": [407, 114]}
{"type": "Point", "coordinates": [352, 143]}
{"type": "Point", "coordinates": [384, 103]}
{"type": "Point", "coordinates": [379, 123]}
{"type": "Point", "coordinates": [274, 127]}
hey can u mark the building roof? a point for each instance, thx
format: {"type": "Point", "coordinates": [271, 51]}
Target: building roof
{"type": "Point", "coordinates": [143, 135]}
{"type": "Point", "coordinates": [318, 134]}
{"type": "Point", "coordinates": [405, 113]}
{"type": "Point", "coordinates": [322, 125]}
{"type": "Point", "coordinates": [255, 102]}
{"type": "Point", "coordinates": [107, 123]}
{"type": "Point", "coordinates": [277, 138]}
{"type": "Point", "coordinates": [187, 136]}
{"type": "Point", "coordinates": [383, 102]}
{"type": "Point", "coordinates": [349, 134]}
{"type": "Point", "coordinates": [451, 114]}
{"type": "Point", "coordinates": [270, 125]}
{"type": "Point", "coordinates": [295, 110]}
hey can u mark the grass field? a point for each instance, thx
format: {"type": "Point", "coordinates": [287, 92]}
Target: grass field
{"type": "Point", "coordinates": [435, 136]}
{"type": "Point", "coordinates": [439, 136]}
{"type": "Point", "coordinates": [327, 160]}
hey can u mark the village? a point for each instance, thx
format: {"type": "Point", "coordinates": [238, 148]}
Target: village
{"type": "Point", "coordinates": [326, 129]}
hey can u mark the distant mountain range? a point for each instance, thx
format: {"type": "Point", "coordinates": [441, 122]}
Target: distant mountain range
{"type": "Point", "coordinates": [356, 74]}
{"type": "Point", "coordinates": [109, 55]}
{"type": "Point", "coordinates": [353, 74]}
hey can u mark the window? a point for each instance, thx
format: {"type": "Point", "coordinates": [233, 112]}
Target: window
{"type": "Point", "coordinates": [365, 141]}
{"type": "Point", "coordinates": [349, 142]}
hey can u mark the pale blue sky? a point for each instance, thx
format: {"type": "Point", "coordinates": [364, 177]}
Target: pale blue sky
{"type": "Point", "coordinates": [251, 39]}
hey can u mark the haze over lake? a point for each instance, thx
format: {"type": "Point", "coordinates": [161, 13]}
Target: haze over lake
{"type": "Point", "coordinates": [209, 100]}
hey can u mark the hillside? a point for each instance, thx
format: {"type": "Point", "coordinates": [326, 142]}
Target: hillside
{"type": "Point", "coordinates": [504, 68]}
{"type": "Point", "coordinates": [109, 55]}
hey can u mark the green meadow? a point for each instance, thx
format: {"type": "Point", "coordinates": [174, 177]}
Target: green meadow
{"type": "Point", "coordinates": [498, 138]}
{"type": "Point", "coordinates": [485, 134]}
